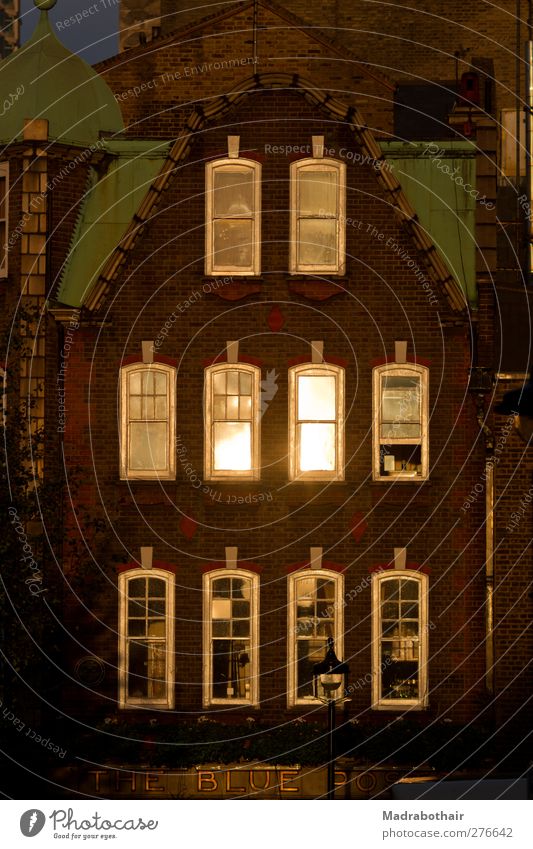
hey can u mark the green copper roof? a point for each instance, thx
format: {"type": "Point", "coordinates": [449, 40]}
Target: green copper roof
{"type": "Point", "coordinates": [108, 208]}
{"type": "Point", "coordinates": [45, 80]}
{"type": "Point", "coordinates": [439, 180]}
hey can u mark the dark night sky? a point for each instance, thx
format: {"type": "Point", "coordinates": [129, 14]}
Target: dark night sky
{"type": "Point", "coordinates": [94, 38]}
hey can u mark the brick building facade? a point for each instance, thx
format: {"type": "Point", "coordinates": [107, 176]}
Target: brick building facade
{"type": "Point", "coordinates": [377, 535]}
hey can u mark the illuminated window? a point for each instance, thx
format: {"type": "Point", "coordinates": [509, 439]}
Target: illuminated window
{"type": "Point", "coordinates": [318, 202]}
{"type": "Point", "coordinates": [315, 613]}
{"type": "Point", "coordinates": [316, 422]}
{"type": "Point", "coordinates": [401, 448]}
{"type": "Point", "coordinates": [148, 398]}
{"type": "Point", "coordinates": [146, 638]}
{"type": "Point", "coordinates": [233, 217]}
{"type": "Point", "coordinates": [231, 637]}
{"type": "Point", "coordinates": [4, 189]}
{"type": "Point", "coordinates": [232, 421]}
{"type": "Point", "coordinates": [399, 640]}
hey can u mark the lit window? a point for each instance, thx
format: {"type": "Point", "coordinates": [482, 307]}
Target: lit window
{"type": "Point", "coordinates": [4, 189]}
{"type": "Point", "coordinates": [231, 637]}
{"type": "Point", "coordinates": [318, 202]}
{"type": "Point", "coordinates": [316, 422]}
{"type": "Point", "coordinates": [146, 638]}
{"type": "Point", "coordinates": [148, 397]}
{"type": "Point", "coordinates": [401, 448]}
{"type": "Point", "coordinates": [399, 640]}
{"type": "Point", "coordinates": [233, 217]}
{"type": "Point", "coordinates": [232, 421]}
{"type": "Point", "coordinates": [315, 614]}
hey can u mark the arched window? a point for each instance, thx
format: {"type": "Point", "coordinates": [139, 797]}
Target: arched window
{"type": "Point", "coordinates": [401, 405]}
{"type": "Point", "coordinates": [233, 217]}
{"type": "Point", "coordinates": [316, 422]}
{"type": "Point", "coordinates": [147, 421]}
{"type": "Point", "coordinates": [315, 614]}
{"type": "Point", "coordinates": [231, 637]}
{"type": "Point", "coordinates": [318, 220]}
{"type": "Point", "coordinates": [399, 639]}
{"type": "Point", "coordinates": [232, 421]}
{"type": "Point", "coordinates": [4, 216]}
{"type": "Point", "coordinates": [146, 638]}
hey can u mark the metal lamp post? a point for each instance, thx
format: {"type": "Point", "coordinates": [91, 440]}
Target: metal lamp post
{"type": "Point", "coordinates": [330, 672]}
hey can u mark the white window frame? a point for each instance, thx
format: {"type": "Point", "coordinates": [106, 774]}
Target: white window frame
{"type": "Point", "coordinates": [4, 172]}
{"type": "Point", "coordinates": [124, 640]}
{"type": "Point", "coordinates": [210, 473]}
{"type": "Point", "coordinates": [315, 369]}
{"type": "Point", "coordinates": [378, 702]}
{"type": "Point", "coordinates": [208, 580]}
{"type": "Point", "coordinates": [338, 636]}
{"type": "Point", "coordinates": [331, 165]}
{"type": "Point", "coordinates": [126, 472]}
{"type": "Point", "coordinates": [231, 164]}
{"type": "Point", "coordinates": [400, 370]}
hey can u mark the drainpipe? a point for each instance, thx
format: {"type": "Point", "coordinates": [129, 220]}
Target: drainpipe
{"type": "Point", "coordinates": [489, 544]}
{"type": "Point", "coordinates": [529, 143]}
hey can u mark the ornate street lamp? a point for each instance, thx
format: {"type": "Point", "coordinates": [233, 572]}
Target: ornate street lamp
{"type": "Point", "coordinates": [331, 673]}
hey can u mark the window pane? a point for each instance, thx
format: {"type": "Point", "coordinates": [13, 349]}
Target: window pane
{"type": "Point", "coordinates": [240, 588]}
{"type": "Point", "coordinates": [161, 407]}
{"type": "Point", "coordinates": [232, 407]}
{"type": "Point", "coordinates": [148, 446]}
{"type": "Point", "coordinates": [400, 407]}
{"type": "Point", "coordinates": [156, 588]}
{"type": "Point", "coordinates": [135, 407]}
{"type": "Point", "coordinates": [231, 669]}
{"type": "Point", "coordinates": [135, 383]}
{"type": "Point", "coordinates": [219, 407]}
{"type": "Point", "coordinates": [233, 192]}
{"type": "Point", "coordinates": [221, 608]}
{"type": "Point", "coordinates": [160, 383]}
{"type": "Point", "coordinates": [137, 627]}
{"type": "Point", "coordinates": [241, 627]}
{"type": "Point", "coordinates": [221, 628]}
{"type": "Point", "coordinates": [409, 589]}
{"type": "Point", "coordinates": [397, 430]}
{"type": "Point", "coordinates": [233, 446]}
{"type": "Point", "coordinates": [137, 588]}
{"type": "Point", "coordinates": [137, 608]}
{"type": "Point", "coordinates": [405, 460]}
{"type": "Point", "coordinates": [219, 383]}
{"type": "Point", "coordinates": [245, 383]}
{"type": "Point", "coordinates": [146, 671]}
{"type": "Point", "coordinates": [241, 609]}
{"type": "Point", "coordinates": [318, 192]}
{"type": "Point", "coordinates": [233, 243]}
{"type": "Point", "coordinates": [399, 678]}
{"type": "Point", "coordinates": [317, 447]}
{"type": "Point", "coordinates": [156, 628]}
{"type": "Point", "coordinates": [390, 589]}
{"type": "Point", "coordinates": [156, 606]}
{"type": "Point", "coordinates": [316, 398]}
{"type": "Point", "coordinates": [148, 382]}
{"type": "Point", "coordinates": [245, 409]}
{"type": "Point", "coordinates": [317, 242]}
{"type": "Point", "coordinates": [222, 588]}
{"type": "Point", "coordinates": [309, 653]}
{"type": "Point", "coordinates": [233, 383]}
